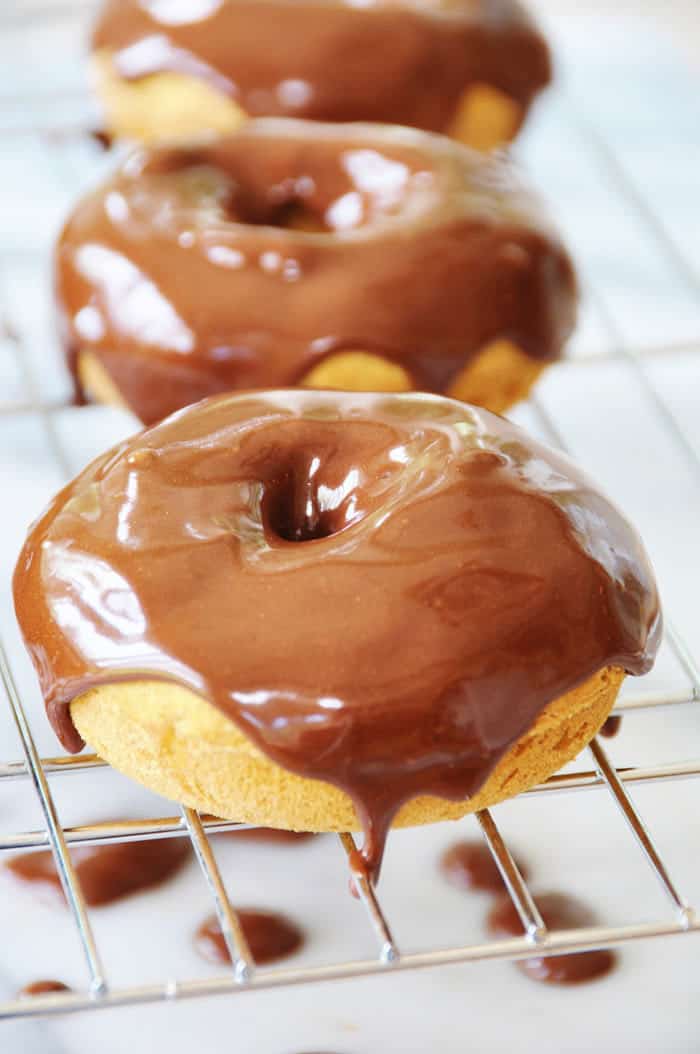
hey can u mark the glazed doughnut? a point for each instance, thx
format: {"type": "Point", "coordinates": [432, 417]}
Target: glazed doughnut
{"type": "Point", "coordinates": [294, 253]}
{"type": "Point", "coordinates": [469, 68]}
{"type": "Point", "coordinates": [321, 610]}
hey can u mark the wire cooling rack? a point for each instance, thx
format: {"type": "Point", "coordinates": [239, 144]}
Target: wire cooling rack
{"type": "Point", "coordinates": [50, 130]}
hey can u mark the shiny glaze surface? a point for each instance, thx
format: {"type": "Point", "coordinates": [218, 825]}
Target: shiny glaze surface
{"type": "Point", "coordinates": [470, 866]}
{"type": "Point", "coordinates": [383, 592]}
{"type": "Point", "coordinates": [270, 937]}
{"type": "Point", "coordinates": [402, 63]}
{"type": "Point", "coordinates": [560, 912]}
{"type": "Point", "coordinates": [185, 277]}
{"type": "Point", "coordinates": [106, 872]}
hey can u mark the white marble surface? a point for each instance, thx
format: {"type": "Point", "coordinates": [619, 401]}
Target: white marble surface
{"type": "Point", "coordinates": [617, 142]}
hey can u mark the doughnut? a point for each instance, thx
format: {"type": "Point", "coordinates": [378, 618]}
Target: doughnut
{"type": "Point", "coordinates": [467, 68]}
{"type": "Point", "coordinates": [358, 257]}
{"type": "Point", "coordinates": [330, 611]}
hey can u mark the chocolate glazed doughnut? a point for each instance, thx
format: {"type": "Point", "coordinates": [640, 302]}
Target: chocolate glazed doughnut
{"type": "Point", "coordinates": [293, 253]}
{"type": "Point", "coordinates": [470, 68]}
{"type": "Point", "coordinates": [322, 610]}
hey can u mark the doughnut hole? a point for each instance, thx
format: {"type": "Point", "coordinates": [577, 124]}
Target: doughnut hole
{"type": "Point", "coordinates": [161, 106]}
{"type": "Point", "coordinates": [486, 118]}
{"type": "Point", "coordinates": [358, 371]}
{"type": "Point", "coordinates": [307, 501]}
{"type": "Point", "coordinates": [500, 376]}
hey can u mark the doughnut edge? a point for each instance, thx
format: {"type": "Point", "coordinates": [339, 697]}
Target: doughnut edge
{"type": "Point", "coordinates": [498, 377]}
{"type": "Point", "coordinates": [177, 744]}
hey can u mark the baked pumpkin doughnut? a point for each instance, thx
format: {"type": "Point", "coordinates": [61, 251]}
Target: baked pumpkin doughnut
{"type": "Point", "coordinates": [469, 68]}
{"type": "Point", "coordinates": [294, 253]}
{"type": "Point", "coordinates": [321, 610]}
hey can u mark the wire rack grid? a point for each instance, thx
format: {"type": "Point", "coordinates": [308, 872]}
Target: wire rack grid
{"type": "Point", "coordinates": [56, 141]}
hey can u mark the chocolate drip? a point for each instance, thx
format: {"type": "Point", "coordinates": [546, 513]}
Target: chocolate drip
{"type": "Point", "coordinates": [453, 578]}
{"type": "Point", "coordinates": [42, 988]}
{"type": "Point", "coordinates": [405, 64]}
{"type": "Point", "coordinates": [561, 913]}
{"type": "Point", "coordinates": [270, 937]}
{"type": "Point", "coordinates": [611, 727]}
{"type": "Point", "coordinates": [177, 276]}
{"type": "Point", "coordinates": [103, 138]}
{"type": "Point", "coordinates": [106, 872]}
{"type": "Point", "coordinates": [470, 866]}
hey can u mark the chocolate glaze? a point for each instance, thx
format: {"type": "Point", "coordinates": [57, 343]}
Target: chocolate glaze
{"type": "Point", "coordinates": [559, 912]}
{"type": "Point", "coordinates": [611, 727]}
{"type": "Point", "coordinates": [270, 937]}
{"type": "Point", "coordinates": [103, 138]}
{"type": "Point", "coordinates": [106, 872]}
{"type": "Point", "coordinates": [400, 63]}
{"type": "Point", "coordinates": [42, 988]}
{"type": "Point", "coordinates": [470, 865]}
{"type": "Point", "coordinates": [383, 592]}
{"type": "Point", "coordinates": [180, 275]}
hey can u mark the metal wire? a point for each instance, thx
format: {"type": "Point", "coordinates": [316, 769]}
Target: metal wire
{"type": "Point", "coordinates": [234, 937]}
{"type": "Point", "coordinates": [388, 952]}
{"type": "Point", "coordinates": [535, 928]}
{"type": "Point", "coordinates": [189, 824]}
{"type": "Point", "coordinates": [638, 828]}
{"type": "Point", "coordinates": [55, 835]}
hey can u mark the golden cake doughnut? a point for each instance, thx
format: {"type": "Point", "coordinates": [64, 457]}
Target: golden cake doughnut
{"type": "Point", "coordinates": [177, 744]}
{"type": "Point", "coordinates": [358, 257]}
{"type": "Point", "coordinates": [468, 68]}
{"type": "Point", "coordinates": [319, 610]}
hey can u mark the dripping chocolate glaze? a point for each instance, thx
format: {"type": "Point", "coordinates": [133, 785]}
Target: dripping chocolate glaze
{"type": "Point", "coordinates": [397, 63]}
{"type": "Point", "coordinates": [270, 937]}
{"type": "Point", "coordinates": [42, 988]}
{"type": "Point", "coordinates": [106, 872]}
{"type": "Point", "coordinates": [411, 581]}
{"type": "Point", "coordinates": [560, 912]}
{"type": "Point", "coordinates": [471, 866]}
{"type": "Point", "coordinates": [182, 276]}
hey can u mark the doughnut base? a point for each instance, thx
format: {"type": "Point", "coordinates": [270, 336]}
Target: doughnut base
{"type": "Point", "coordinates": [500, 376]}
{"type": "Point", "coordinates": [172, 741]}
{"type": "Point", "coordinates": [167, 106]}
{"type": "Point", "coordinates": [162, 106]}
{"type": "Point", "coordinates": [486, 118]}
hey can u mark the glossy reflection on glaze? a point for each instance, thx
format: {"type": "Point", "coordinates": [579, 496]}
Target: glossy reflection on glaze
{"type": "Point", "coordinates": [413, 580]}
{"type": "Point", "coordinates": [270, 937]}
{"type": "Point", "coordinates": [334, 61]}
{"type": "Point", "coordinates": [560, 912]}
{"type": "Point", "coordinates": [106, 872]}
{"type": "Point", "coordinates": [246, 262]}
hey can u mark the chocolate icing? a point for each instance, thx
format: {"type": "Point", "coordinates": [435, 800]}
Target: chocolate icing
{"type": "Point", "coordinates": [270, 937]}
{"type": "Point", "coordinates": [106, 872]}
{"type": "Point", "coordinates": [383, 592]}
{"type": "Point", "coordinates": [470, 865]}
{"type": "Point", "coordinates": [612, 726]}
{"type": "Point", "coordinates": [400, 63]}
{"type": "Point", "coordinates": [562, 913]}
{"type": "Point", "coordinates": [182, 276]}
